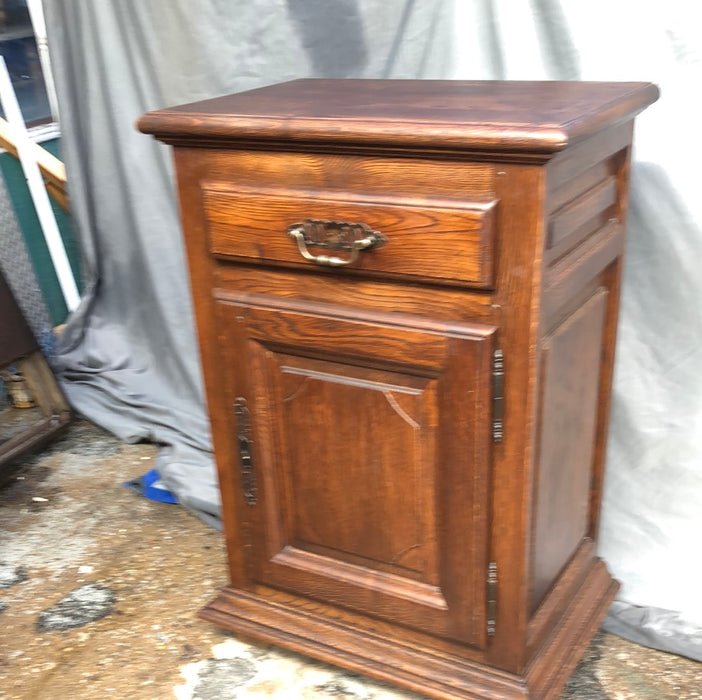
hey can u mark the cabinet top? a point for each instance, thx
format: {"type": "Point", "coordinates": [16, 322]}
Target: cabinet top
{"type": "Point", "coordinates": [496, 116]}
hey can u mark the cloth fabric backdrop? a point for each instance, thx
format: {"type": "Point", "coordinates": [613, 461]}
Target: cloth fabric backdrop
{"type": "Point", "coordinates": [128, 358]}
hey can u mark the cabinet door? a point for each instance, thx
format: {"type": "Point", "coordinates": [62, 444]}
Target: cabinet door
{"type": "Point", "coordinates": [365, 443]}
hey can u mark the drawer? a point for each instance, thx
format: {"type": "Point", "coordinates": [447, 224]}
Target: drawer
{"type": "Point", "coordinates": [443, 241]}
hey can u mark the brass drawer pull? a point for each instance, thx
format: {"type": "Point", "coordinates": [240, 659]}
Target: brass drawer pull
{"type": "Point", "coordinates": [334, 235]}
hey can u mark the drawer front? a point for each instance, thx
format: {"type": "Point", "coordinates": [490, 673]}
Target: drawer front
{"type": "Point", "coordinates": [445, 241]}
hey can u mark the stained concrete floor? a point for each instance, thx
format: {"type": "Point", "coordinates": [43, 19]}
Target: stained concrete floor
{"type": "Point", "coordinates": [100, 589]}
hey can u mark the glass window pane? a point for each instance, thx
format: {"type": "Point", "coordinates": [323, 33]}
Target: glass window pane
{"type": "Point", "coordinates": [19, 48]}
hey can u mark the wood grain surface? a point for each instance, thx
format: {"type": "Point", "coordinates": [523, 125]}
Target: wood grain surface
{"type": "Point", "coordinates": [456, 115]}
{"type": "Point", "coordinates": [431, 242]}
{"type": "Point", "coordinates": [383, 501]}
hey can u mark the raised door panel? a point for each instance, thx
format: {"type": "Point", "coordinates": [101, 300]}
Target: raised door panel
{"type": "Point", "coordinates": [370, 444]}
{"type": "Point", "coordinates": [384, 428]}
{"type": "Point", "coordinates": [571, 358]}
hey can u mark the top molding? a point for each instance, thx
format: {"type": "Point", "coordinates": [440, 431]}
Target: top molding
{"type": "Point", "coordinates": [498, 117]}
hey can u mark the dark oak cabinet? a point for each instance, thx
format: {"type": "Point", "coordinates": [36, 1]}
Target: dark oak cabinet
{"type": "Point", "coordinates": [406, 295]}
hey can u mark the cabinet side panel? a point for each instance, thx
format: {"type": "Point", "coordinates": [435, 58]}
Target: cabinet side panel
{"type": "Point", "coordinates": [571, 356]}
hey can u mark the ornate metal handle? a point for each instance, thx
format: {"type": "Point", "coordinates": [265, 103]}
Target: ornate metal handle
{"type": "Point", "coordinates": [334, 235]}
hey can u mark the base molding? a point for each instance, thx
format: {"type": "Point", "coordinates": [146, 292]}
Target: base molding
{"type": "Point", "coordinates": [418, 669]}
{"type": "Point", "coordinates": [561, 651]}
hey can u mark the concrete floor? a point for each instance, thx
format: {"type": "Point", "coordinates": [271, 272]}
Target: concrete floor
{"type": "Point", "coordinates": [100, 589]}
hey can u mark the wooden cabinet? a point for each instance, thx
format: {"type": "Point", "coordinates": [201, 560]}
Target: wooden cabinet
{"type": "Point", "coordinates": [406, 295]}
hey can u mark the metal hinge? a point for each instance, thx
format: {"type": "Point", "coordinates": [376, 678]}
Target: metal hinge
{"type": "Point", "coordinates": [491, 598]}
{"type": "Point", "coordinates": [498, 395]}
{"type": "Point", "coordinates": [243, 436]}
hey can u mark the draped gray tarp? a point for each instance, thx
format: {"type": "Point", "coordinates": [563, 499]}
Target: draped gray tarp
{"type": "Point", "coordinates": [128, 358]}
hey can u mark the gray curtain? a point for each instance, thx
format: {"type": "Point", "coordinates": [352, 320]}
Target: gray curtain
{"type": "Point", "coordinates": [128, 358]}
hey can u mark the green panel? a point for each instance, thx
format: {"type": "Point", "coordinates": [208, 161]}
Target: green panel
{"type": "Point", "coordinates": [34, 238]}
